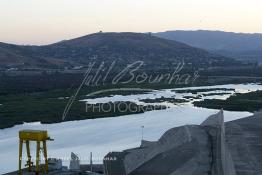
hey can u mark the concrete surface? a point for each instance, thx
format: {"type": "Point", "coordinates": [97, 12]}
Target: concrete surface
{"type": "Point", "coordinates": [244, 139]}
{"type": "Point", "coordinates": [212, 148]}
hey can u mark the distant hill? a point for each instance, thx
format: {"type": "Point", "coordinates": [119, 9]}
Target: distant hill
{"type": "Point", "coordinates": [22, 56]}
{"type": "Point", "coordinates": [121, 47]}
{"type": "Point", "coordinates": [237, 45]}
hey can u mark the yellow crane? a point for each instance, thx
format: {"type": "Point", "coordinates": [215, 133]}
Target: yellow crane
{"type": "Point", "coordinates": [39, 136]}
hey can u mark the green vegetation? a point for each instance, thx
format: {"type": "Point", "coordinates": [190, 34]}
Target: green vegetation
{"type": "Point", "coordinates": [48, 107]}
{"type": "Point", "coordinates": [212, 94]}
{"type": "Point", "coordinates": [195, 91]}
{"type": "Point", "coordinates": [192, 97]}
{"type": "Point", "coordinates": [30, 98]}
{"type": "Point", "coordinates": [163, 99]}
{"type": "Point", "coordinates": [251, 102]}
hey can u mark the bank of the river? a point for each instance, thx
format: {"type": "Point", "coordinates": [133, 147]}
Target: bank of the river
{"type": "Point", "coordinates": [117, 133]}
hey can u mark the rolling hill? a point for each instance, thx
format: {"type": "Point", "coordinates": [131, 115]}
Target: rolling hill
{"type": "Point", "coordinates": [121, 47]}
{"type": "Point", "coordinates": [22, 56]}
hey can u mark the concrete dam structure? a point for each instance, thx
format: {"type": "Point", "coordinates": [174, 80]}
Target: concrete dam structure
{"type": "Point", "coordinates": [212, 148]}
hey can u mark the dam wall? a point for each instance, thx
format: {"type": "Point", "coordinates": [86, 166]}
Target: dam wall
{"type": "Point", "coordinates": [186, 150]}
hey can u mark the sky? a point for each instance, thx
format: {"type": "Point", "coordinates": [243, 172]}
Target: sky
{"type": "Point", "coordinates": [39, 22]}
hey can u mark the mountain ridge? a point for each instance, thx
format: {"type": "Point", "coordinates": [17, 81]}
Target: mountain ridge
{"type": "Point", "coordinates": [244, 46]}
{"type": "Point", "coordinates": [124, 47]}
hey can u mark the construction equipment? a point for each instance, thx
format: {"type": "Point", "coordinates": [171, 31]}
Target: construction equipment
{"type": "Point", "coordinates": [25, 136]}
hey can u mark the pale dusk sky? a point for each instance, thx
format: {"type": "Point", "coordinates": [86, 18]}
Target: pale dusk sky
{"type": "Point", "coordinates": [47, 21]}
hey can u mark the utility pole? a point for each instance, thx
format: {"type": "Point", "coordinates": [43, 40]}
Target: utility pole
{"type": "Point", "coordinates": [142, 128]}
{"type": "Point", "coordinates": [91, 162]}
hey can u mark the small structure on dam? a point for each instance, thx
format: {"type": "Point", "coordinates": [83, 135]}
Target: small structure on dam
{"type": "Point", "coordinates": [27, 136]}
{"type": "Point", "coordinates": [52, 166]}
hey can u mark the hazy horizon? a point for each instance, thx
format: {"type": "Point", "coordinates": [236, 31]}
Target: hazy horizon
{"type": "Point", "coordinates": [120, 32]}
{"type": "Point", "coordinates": [41, 22]}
